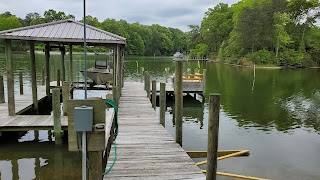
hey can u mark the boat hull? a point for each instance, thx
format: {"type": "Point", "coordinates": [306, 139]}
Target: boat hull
{"type": "Point", "coordinates": [99, 76]}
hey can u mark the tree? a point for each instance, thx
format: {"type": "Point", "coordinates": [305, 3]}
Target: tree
{"type": "Point", "coordinates": [282, 38]}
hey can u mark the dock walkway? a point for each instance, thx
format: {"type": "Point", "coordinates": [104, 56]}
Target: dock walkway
{"type": "Point", "coordinates": [145, 150]}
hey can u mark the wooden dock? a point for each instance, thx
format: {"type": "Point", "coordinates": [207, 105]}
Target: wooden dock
{"type": "Point", "coordinates": [28, 122]}
{"type": "Point", "coordinates": [145, 150]}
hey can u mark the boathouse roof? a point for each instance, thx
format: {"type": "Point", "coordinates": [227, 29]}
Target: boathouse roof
{"type": "Point", "coordinates": [64, 31]}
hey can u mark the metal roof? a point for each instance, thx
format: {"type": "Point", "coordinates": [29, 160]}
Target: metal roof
{"type": "Point", "coordinates": [65, 31]}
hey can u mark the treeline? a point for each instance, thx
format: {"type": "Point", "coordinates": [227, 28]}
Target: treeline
{"type": "Point", "coordinates": [141, 39]}
{"type": "Point", "coordinates": [278, 32]}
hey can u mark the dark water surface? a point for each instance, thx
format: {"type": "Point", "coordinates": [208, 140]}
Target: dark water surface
{"type": "Point", "coordinates": [275, 115]}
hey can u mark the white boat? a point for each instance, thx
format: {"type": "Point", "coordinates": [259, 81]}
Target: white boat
{"type": "Point", "coordinates": [178, 55]}
{"type": "Point", "coordinates": [101, 74]}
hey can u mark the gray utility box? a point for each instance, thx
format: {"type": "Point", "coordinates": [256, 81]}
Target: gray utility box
{"type": "Point", "coordinates": [83, 118]}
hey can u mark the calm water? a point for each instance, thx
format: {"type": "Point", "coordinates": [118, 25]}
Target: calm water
{"type": "Point", "coordinates": [275, 115]}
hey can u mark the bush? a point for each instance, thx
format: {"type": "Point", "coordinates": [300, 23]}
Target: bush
{"type": "Point", "coordinates": [291, 57]}
{"type": "Point", "coordinates": [260, 57]}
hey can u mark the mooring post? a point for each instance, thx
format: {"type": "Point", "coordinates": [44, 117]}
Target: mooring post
{"type": "Point", "coordinates": [154, 94]}
{"type": "Point", "coordinates": [178, 100]}
{"type": "Point", "coordinates": [21, 83]}
{"type": "Point", "coordinates": [10, 78]}
{"type": "Point", "coordinates": [58, 77]}
{"type": "Point", "coordinates": [213, 132]}
{"type": "Point", "coordinates": [118, 71]}
{"type": "Point", "coordinates": [2, 100]}
{"type": "Point", "coordinates": [47, 56]}
{"type": "Point", "coordinates": [36, 135]}
{"type": "Point", "coordinates": [33, 78]}
{"type": "Point", "coordinates": [70, 64]}
{"type": "Point", "coordinates": [167, 73]}
{"type": "Point", "coordinates": [204, 80]}
{"type": "Point", "coordinates": [162, 104]}
{"type": "Point", "coordinates": [145, 80]}
{"type": "Point", "coordinates": [148, 85]}
{"type": "Point", "coordinates": [141, 73]}
{"type": "Point", "coordinates": [43, 77]}
{"type": "Point", "coordinates": [65, 97]}
{"type": "Point", "coordinates": [56, 114]}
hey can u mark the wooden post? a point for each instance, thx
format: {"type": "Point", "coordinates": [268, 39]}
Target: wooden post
{"type": "Point", "coordinates": [95, 165]}
{"type": "Point", "coordinates": [65, 97]}
{"type": "Point", "coordinates": [36, 135]}
{"type": "Point", "coordinates": [154, 94]}
{"type": "Point", "coordinates": [43, 79]}
{"type": "Point", "coordinates": [145, 80]}
{"type": "Point", "coordinates": [148, 85]}
{"type": "Point", "coordinates": [10, 78]}
{"type": "Point", "coordinates": [163, 105]}
{"type": "Point", "coordinates": [56, 115]}
{"type": "Point", "coordinates": [33, 77]}
{"type": "Point", "coordinates": [141, 73]}
{"type": "Point", "coordinates": [167, 73]}
{"type": "Point", "coordinates": [118, 71]}
{"type": "Point", "coordinates": [58, 77]}
{"type": "Point", "coordinates": [178, 100]}
{"type": "Point", "coordinates": [204, 80]}
{"type": "Point", "coordinates": [213, 132]}
{"type": "Point", "coordinates": [63, 67]}
{"type": "Point", "coordinates": [122, 68]}
{"type": "Point", "coordinates": [188, 72]}
{"type": "Point", "coordinates": [71, 64]}
{"type": "Point", "coordinates": [47, 56]}
{"type": "Point", "coordinates": [114, 82]}
{"type": "Point", "coordinates": [2, 99]}
{"type": "Point", "coordinates": [21, 83]}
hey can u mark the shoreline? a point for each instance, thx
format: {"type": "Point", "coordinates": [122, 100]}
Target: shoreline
{"type": "Point", "coordinates": [264, 67]}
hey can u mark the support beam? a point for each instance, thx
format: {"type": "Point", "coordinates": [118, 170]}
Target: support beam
{"type": "Point", "coordinates": [141, 74]}
{"type": "Point", "coordinates": [56, 115]}
{"type": "Point", "coordinates": [63, 66]}
{"type": "Point", "coordinates": [43, 78]}
{"type": "Point", "coordinates": [204, 80]}
{"type": "Point", "coordinates": [2, 99]}
{"type": "Point", "coordinates": [70, 64]}
{"type": "Point", "coordinates": [47, 56]}
{"type": "Point", "coordinates": [21, 83]}
{"type": "Point", "coordinates": [163, 107]}
{"type": "Point", "coordinates": [65, 97]}
{"type": "Point", "coordinates": [95, 165]}
{"type": "Point", "coordinates": [33, 78]}
{"type": "Point", "coordinates": [122, 67]}
{"type": "Point", "coordinates": [114, 82]}
{"type": "Point", "coordinates": [213, 132]}
{"type": "Point", "coordinates": [58, 77]}
{"type": "Point", "coordinates": [10, 78]}
{"type": "Point", "coordinates": [118, 71]}
{"type": "Point", "coordinates": [178, 100]}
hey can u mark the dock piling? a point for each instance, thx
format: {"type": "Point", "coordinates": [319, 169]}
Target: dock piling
{"type": "Point", "coordinates": [148, 85]}
{"type": "Point", "coordinates": [56, 114]}
{"type": "Point", "coordinates": [43, 77]}
{"type": "Point", "coordinates": [21, 83]}
{"type": "Point", "coordinates": [47, 56]}
{"type": "Point", "coordinates": [141, 73]}
{"type": "Point", "coordinates": [58, 77]}
{"type": "Point", "coordinates": [154, 93]}
{"type": "Point", "coordinates": [213, 131]}
{"type": "Point", "coordinates": [33, 78]}
{"type": "Point", "coordinates": [2, 100]}
{"type": "Point", "coordinates": [162, 104]}
{"type": "Point", "coordinates": [204, 80]}
{"type": "Point", "coordinates": [70, 64]}
{"type": "Point", "coordinates": [63, 67]}
{"type": "Point", "coordinates": [10, 78]}
{"type": "Point", "coordinates": [65, 97]}
{"type": "Point", "coordinates": [178, 100]}
{"type": "Point", "coordinates": [145, 80]}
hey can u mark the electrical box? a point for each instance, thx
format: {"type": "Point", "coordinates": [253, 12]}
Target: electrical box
{"type": "Point", "coordinates": [83, 118]}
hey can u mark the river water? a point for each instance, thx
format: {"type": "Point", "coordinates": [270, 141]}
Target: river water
{"type": "Point", "coordinates": [275, 115]}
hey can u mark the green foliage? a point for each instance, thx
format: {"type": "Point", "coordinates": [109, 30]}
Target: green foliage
{"type": "Point", "coordinates": [200, 51]}
{"type": "Point", "coordinates": [260, 57]}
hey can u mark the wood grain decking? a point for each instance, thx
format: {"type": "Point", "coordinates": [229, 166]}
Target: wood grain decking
{"type": "Point", "coordinates": [27, 122]}
{"type": "Point", "coordinates": [145, 150]}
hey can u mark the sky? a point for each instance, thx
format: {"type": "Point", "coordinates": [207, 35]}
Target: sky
{"type": "Point", "coordinates": [170, 13]}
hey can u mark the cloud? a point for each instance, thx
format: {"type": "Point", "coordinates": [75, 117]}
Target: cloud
{"type": "Point", "coordinates": [177, 14]}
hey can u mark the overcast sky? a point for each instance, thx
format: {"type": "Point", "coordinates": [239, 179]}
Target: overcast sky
{"type": "Point", "coordinates": [171, 13]}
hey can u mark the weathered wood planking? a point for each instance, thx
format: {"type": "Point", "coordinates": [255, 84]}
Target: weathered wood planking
{"type": "Point", "coordinates": [145, 150]}
{"type": "Point", "coordinates": [27, 122]}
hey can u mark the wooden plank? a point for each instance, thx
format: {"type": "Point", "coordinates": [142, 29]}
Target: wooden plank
{"type": "Point", "coordinates": [145, 150]}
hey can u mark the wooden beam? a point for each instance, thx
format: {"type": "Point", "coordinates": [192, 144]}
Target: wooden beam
{"type": "Point", "coordinates": [118, 71]}
{"type": "Point", "coordinates": [10, 78]}
{"type": "Point", "coordinates": [163, 106]}
{"type": "Point", "coordinates": [21, 83]}
{"type": "Point", "coordinates": [95, 165]}
{"type": "Point", "coordinates": [2, 99]}
{"type": "Point", "coordinates": [65, 97]}
{"type": "Point", "coordinates": [178, 103]}
{"type": "Point", "coordinates": [154, 94]}
{"type": "Point", "coordinates": [47, 56]}
{"type": "Point", "coordinates": [63, 67]}
{"type": "Point", "coordinates": [71, 64]}
{"type": "Point", "coordinates": [33, 77]}
{"type": "Point", "coordinates": [114, 82]}
{"type": "Point", "coordinates": [43, 78]}
{"type": "Point", "coordinates": [56, 114]}
{"type": "Point", "coordinates": [203, 154]}
{"type": "Point", "coordinates": [141, 73]}
{"type": "Point", "coordinates": [58, 77]}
